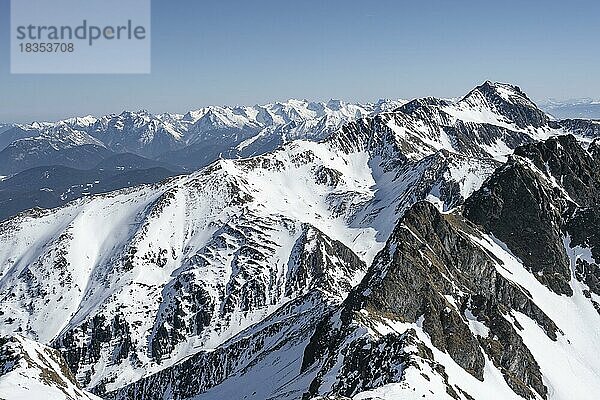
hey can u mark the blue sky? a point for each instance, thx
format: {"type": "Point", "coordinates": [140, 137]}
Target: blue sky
{"type": "Point", "coordinates": [247, 52]}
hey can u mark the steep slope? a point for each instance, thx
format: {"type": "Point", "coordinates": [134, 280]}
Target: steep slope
{"type": "Point", "coordinates": [527, 213]}
{"type": "Point", "coordinates": [489, 122]}
{"type": "Point", "coordinates": [450, 311]}
{"type": "Point", "coordinates": [29, 370]}
{"type": "Point", "coordinates": [324, 271]}
{"type": "Point", "coordinates": [446, 310]}
{"type": "Point", "coordinates": [232, 238]}
{"type": "Point", "coordinates": [233, 267]}
{"type": "Point", "coordinates": [217, 229]}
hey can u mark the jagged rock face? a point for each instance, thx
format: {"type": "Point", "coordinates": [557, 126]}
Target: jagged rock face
{"type": "Point", "coordinates": [526, 202]}
{"type": "Point", "coordinates": [435, 275]}
{"type": "Point", "coordinates": [463, 134]}
{"type": "Point", "coordinates": [317, 261]}
{"type": "Point", "coordinates": [580, 127]}
{"type": "Point", "coordinates": [594, 150]}
{"type": "Point", "coordinates": [523, 212]}
{"type": "Point", "coordinates": [100, 332]}
{"type": "Point", "coordinates": [573, 168]}
{"type": "Point", "coordinates": [584, 245]}
{"type": "Point", "coordinates": [432, 274]}
{"type": "Point", "coordinates": [192, 263]}
{"type": "Point", "coordinates": [581, 229]}
{"type": "Point", "coordinates": [510, 102]}
{"type": "Point", "coordinates": [320, 272]}
{"type": "Point", "coordinates": [191, 308]}
{"type": "Point", "coordinates": [490, 121]}
{"type": "Point", "coordinates": [30, 370]}
{"type": "Point", "coordinates": [261, 346]}
{"type": "Point", "coordinates": [206, 284]}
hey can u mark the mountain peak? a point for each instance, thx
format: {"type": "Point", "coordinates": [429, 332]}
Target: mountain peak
{"type": "Point", "coordinates": [505, 91]}
{"type": "Point", "coordinates": [335, 104]}
{"type": "Point", "coordinates": [506, 100]}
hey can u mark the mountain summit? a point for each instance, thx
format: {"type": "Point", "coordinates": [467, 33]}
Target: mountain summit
{"type": "Point", "coordinates": [439, 249]}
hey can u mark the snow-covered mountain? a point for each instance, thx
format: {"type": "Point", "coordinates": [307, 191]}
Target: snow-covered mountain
{"type": "Point", "coordinates": [191, 140]}
{"type": "Point", "coordinates": [33, 371]}
{"type": "Point", "coordinates": [497, 299]}
{"type": "Point", "coordinates": [81, 147]}
{"type": "Point", "coordinates": [570, 109]}
{"type": "Point", "coordinates": [316, 269]}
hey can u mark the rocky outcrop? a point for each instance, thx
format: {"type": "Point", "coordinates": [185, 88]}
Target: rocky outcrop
{"type": "Point", "coordinates": [527, 202]}
{"type": "Point", "coordinates": [31, 370]}
{"type": "Point", "coordinates": [581, 127]}
{"type": "Point", "coordinates": [431, 274]}
{"type": "Point", "coordinates": [569, 166]}
{"type": "Point", "coordinates": [82, 346]}
{"type": "Point", "coordinates": [509, 101]}
{"type": "Point", "coordinates": [320, 272]}
{"type": "Point", "coordinates": [208, 283]}
{"type": "Point", "coordinates": [523, 211]}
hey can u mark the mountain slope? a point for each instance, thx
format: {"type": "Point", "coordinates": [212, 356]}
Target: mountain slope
{"type": "Point", "coordinates": [29, 370]}
{"type": "Point", "coordinates": [457, 299]}
{"type": "Point", "coordinates": [202, 284]}
{"type": "Point", "coordinates": [49, 187]}
{"type": "Point", "coordinates": [191, 141]}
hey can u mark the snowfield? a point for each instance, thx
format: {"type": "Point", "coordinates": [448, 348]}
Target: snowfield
{"type": "Point", "coordinates": [212, 285]}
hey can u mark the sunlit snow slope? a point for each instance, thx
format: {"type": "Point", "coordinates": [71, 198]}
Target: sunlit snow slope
{"type": "Point", "coordinates": [205, 284]}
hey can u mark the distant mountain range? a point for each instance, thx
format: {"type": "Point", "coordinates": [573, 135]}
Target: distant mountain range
{"type": "Point", "coordinates": [166, 144]}
{"type": "Point", "coordinates": [578, 108]}
{"type": "Point", "coordinates": [189, 140]}
{"type": "Point", "coordinates": [67, 159]}
{"type": "Point", "coordinates": [440, 249]}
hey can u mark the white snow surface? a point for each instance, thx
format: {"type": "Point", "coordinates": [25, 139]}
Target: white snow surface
{"type": "Point", "coordinates": [76, 258]}
{"type": "Point", "coordinates": [122, 253]}
{"type": "Point", "coordinates": [148, 134]}
{"type": "Point", "coordinates": [37, 374]}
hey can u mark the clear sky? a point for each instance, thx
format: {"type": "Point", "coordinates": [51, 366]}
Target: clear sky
{"type": "Point", "coordinates": [246, 52]}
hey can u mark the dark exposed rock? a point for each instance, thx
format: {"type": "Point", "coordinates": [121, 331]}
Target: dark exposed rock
{"type": "Point", "coordinates": [320, 272]}
{"type": "Point", "coordinates": [506, 348]}
{"type": "Point", "coordinates": [417, 106]}
{"type": "Point", "coordinates": [573, 168]}
{"type": "Point", "coordinates": [509, 101]}
{"type": "Point", "coordinates": [522, 210]}
{"type": "Point", "coordinates": [289, 326]}
{"type": "Point", "coordinates": [318, 261]}
{"type": "Point", "coordinates": [581, 127]}
{"type": "Point", "coordinates": [534, 198]}
{"type": "Point", "coordinates": [428, 260]}
{"type": "Point", "coordinates": [582, 229]}
{"type": "Point", "coordinates": [98, 332]}
{"type": "Point", "coordinates": [173, 324]}
{"type": "Point", "coordinates": [594, 149]}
